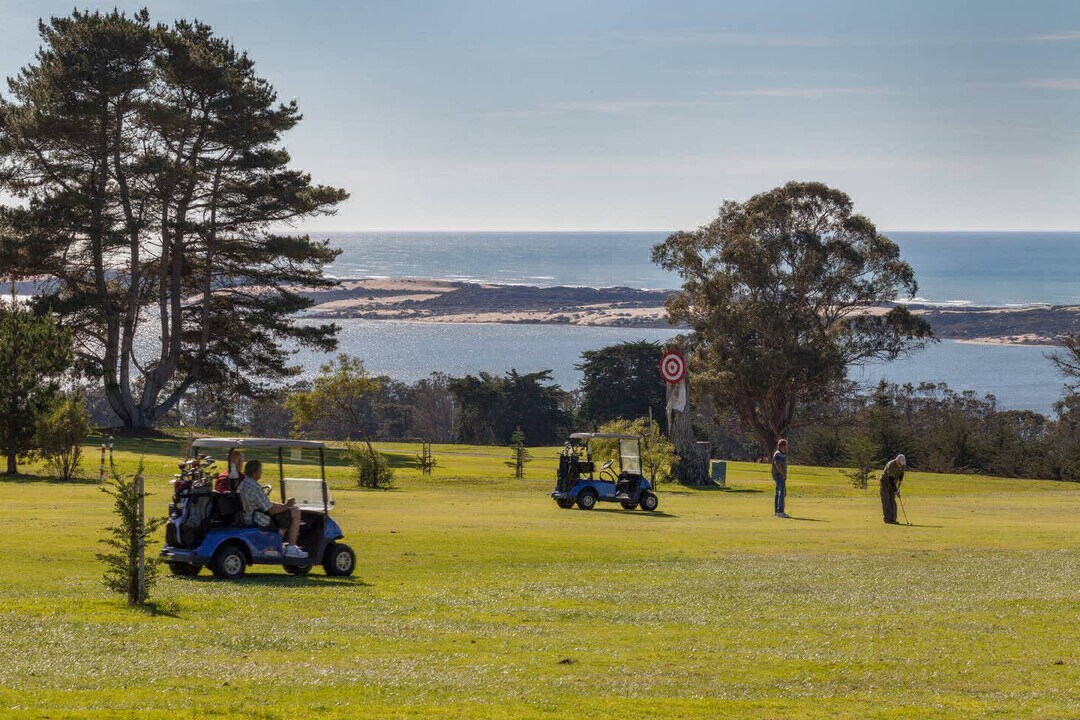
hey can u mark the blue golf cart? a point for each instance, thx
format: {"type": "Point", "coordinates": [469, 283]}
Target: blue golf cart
{"type": "Point", "coordinates": [206, 520]}
{"type": "Point", "coordinates": [580, 483]}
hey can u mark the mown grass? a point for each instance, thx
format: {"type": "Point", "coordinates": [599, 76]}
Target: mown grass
{"type": "Point", "coordinates": [476, 597]}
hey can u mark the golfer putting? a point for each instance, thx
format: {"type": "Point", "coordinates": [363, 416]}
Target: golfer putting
{"type": "Point", "coordinates": [891, 478]}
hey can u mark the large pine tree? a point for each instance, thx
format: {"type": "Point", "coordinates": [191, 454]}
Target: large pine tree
{"type": "Point", "coordinates": [154, 182]}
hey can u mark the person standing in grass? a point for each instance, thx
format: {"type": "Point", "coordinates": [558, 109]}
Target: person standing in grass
{"type": "Point", "coordinates": [891, 478]}
{"type": "Point", "coordinates": [779, 476]}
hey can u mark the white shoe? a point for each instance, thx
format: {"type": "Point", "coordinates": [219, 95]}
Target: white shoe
{"type": "Point", "coordinates": [294, 551]}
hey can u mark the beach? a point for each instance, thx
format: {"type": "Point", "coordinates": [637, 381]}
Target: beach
{"type": "Point", "coordinates": [447, 301]}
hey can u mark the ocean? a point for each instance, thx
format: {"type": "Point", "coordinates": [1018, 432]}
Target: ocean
{"type": "Point", "coordinates": [1006, 269]}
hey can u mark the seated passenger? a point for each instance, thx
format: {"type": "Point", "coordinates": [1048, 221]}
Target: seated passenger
{"type": "Point", "coordinates": [260, 511]}
{"type": "Point", "coordinates": [228, 481]}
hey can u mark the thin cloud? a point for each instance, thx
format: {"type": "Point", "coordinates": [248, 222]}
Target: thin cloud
{"type": "Point", "coordinates": [1065, 36]}
{"type": "Point", "coordinates": [606, 107]}
{"type": "Point", "coordinates": [618, 106]}
{"type": "Point", "coordinates": [1055, 83]}
{"type": "Point", "coordinates": [736, 39]}
{"type": "Point", "coordinates": [767, 40]}
{"type": "Point", "coordinates": [808, 92]}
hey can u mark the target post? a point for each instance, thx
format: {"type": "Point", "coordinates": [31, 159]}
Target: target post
{"type": "Point", "coordinates": [673, 366]}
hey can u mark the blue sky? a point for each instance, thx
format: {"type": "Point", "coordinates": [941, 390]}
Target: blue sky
{"type": "Point", "coordinates": [597, 115]}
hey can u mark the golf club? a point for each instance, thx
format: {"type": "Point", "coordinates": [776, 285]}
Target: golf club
{"type": "Point", "coordinates": [901, 499]}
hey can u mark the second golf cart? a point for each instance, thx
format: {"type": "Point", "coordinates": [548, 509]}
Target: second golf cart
{"type": "Point", "coordinates": [580, 483]}
{"type": "Point", "coordinates": [206, 528]}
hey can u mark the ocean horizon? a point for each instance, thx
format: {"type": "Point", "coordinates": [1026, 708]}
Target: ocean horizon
{"type": "Point", "coordinates": [952, 268]}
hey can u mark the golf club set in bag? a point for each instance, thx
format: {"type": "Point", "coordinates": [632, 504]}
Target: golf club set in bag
{"type": "Point", "coordinates": [192, 489]}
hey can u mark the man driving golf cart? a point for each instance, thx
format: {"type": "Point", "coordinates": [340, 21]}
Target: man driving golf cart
{"type": "Point", "coordinates": [222, 529]}
{"type": "Point", "coordinates": [579, 482]}
{"type": "Point", "coordinates": [260, 511]}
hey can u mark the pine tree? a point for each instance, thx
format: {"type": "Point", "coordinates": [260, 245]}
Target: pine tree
{"type": "Point", "coordinates": [150, 162]}
{"type": "Point", "coordinates": [34, 353]}
{"type": "Point", "coordinates": [520, 454]}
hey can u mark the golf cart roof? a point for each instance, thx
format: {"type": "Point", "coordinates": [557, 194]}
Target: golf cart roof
{"type": "Point", "coordinates": [261, 443]}
{"type": "Point", "coordinates": [595, 435]}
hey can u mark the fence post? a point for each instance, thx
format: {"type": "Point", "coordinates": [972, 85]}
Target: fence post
{"type": "Point", "coordinates": [140, 538]}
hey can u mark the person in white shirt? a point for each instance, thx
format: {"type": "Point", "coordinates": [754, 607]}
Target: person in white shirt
{"type": "Point", "coordinates": [260, 511]}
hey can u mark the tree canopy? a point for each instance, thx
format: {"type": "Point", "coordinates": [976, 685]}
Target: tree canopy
{"type": "Point", "coordinates": [336, 406]}
{"type": "Point", "coordinates": [152, 181]}
{"type": "Point", "coordinates": [621, 381]}
{"type": "Point", "coordinates": [35, 352]}
{"type": "Point", "coordinates": [783, 293]}
{"type": "Point", "coordinates": [492, 408]}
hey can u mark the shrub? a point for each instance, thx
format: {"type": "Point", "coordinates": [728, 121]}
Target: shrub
{"type": "Point", "coordinates": [61, 432]}
{"type": "Point", "coordinates": [862, 455]}
{"type": "Point", "coordinates": [425, 461]}
{"type": "Point", "coordinates": [519, 454]}
{"type": "Point", "coordinates": [372, 468]}
{"type": "Point", "coordinates": [657, 452]}
{"type": "Point", "coordinates": [126, 538]}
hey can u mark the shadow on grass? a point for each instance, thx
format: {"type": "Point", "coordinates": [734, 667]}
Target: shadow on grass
{"type": "Point", "coordinates": [284, 580]}
{"type": "Point", "coordinates": [920, 526]}
{"type": "Point", "coordinates": [806, 519]}
{"type": "Point", "coordinates": [718, 488]}
{"type": "Point", "coordinates": [164, 608]}
{"type": "Point", "coordinates": [636, 513]}
{"type": "Point", "coordinates": [23, 478]}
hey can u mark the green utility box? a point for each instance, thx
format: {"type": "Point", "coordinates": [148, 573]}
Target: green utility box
{"type": "Point", "coordinates": [719, 472]}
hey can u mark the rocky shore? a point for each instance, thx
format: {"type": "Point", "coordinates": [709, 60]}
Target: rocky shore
{"type": "Point", "coordinates": [450, 302]}
{"type": "Point", "coordinates": [445, 301]}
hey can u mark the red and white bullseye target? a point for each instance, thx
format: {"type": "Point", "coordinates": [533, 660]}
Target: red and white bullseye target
{"type": "Point", "coordinates": [673, 366]}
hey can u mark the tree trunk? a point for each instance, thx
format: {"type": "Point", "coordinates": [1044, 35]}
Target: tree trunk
{"type": "Point", "coordinates": [693, 466]}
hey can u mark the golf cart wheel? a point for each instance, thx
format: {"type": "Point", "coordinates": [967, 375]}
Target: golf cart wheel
{"type": "Point", "coordinates": [649, 501]}
{"type": "Point", "coordinates": [229, 563]}
{"type": "Point", "coordinates": [586, 499]}
{"type": "Point", "coordinates": [298, 569]}
{"type": "Point", "coordinates": [628, 505]}
{"type": "Point", "coordinates": [339, 560]}
{"type": "Point", "coordinates": [183, 569]}
{"type": "Point", "coordinates": [565, 504]}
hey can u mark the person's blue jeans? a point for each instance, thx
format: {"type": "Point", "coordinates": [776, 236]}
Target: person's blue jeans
{"type": "Point", "coordinates": [781, 493]}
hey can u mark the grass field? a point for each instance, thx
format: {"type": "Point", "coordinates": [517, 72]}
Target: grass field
{"type": "Point", "coordinates": [476, 597]}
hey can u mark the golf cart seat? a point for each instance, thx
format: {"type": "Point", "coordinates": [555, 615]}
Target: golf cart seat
{"type": "Point", "coordinates": [228, 508]}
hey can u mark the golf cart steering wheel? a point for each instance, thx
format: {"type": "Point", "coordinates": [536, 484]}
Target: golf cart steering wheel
{"type": "Point", "coordinates": [267, 489]}
{"type": "Point", "coordinates": [606, 468]}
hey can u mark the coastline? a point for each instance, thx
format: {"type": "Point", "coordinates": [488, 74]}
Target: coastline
{"type": "Point", "coordinates": [451, 301]}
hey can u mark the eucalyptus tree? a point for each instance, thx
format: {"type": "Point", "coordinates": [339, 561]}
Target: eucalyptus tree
{"type": "Point", "coordinates": [784, 292]}
{"type": "Point", "coordinates": [153, 186]}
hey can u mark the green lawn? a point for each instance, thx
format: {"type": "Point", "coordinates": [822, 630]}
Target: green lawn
{"type": "Point", "coordinates": [477, 597]}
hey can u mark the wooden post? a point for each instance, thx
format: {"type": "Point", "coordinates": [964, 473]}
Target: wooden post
{"type": "Point", "coordinates": [140, 529]}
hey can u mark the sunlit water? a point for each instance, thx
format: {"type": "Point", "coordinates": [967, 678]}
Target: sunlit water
{"type": "Point", "coordinates": [1019, 376]}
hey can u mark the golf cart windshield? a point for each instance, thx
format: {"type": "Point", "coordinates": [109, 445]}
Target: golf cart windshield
{"type": "Point", "coordinates": [308, 493]}
{"type": "Point", "coordinates": [626, 449]}
{"type": "Point", "coordinates": [629, 458]}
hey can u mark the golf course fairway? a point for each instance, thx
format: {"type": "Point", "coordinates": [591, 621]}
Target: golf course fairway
{"type": "Point", "coordinates": [476, 597]}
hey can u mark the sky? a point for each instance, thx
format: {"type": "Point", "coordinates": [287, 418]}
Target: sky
{"type": "Point", "coordinates": [507, 115]}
